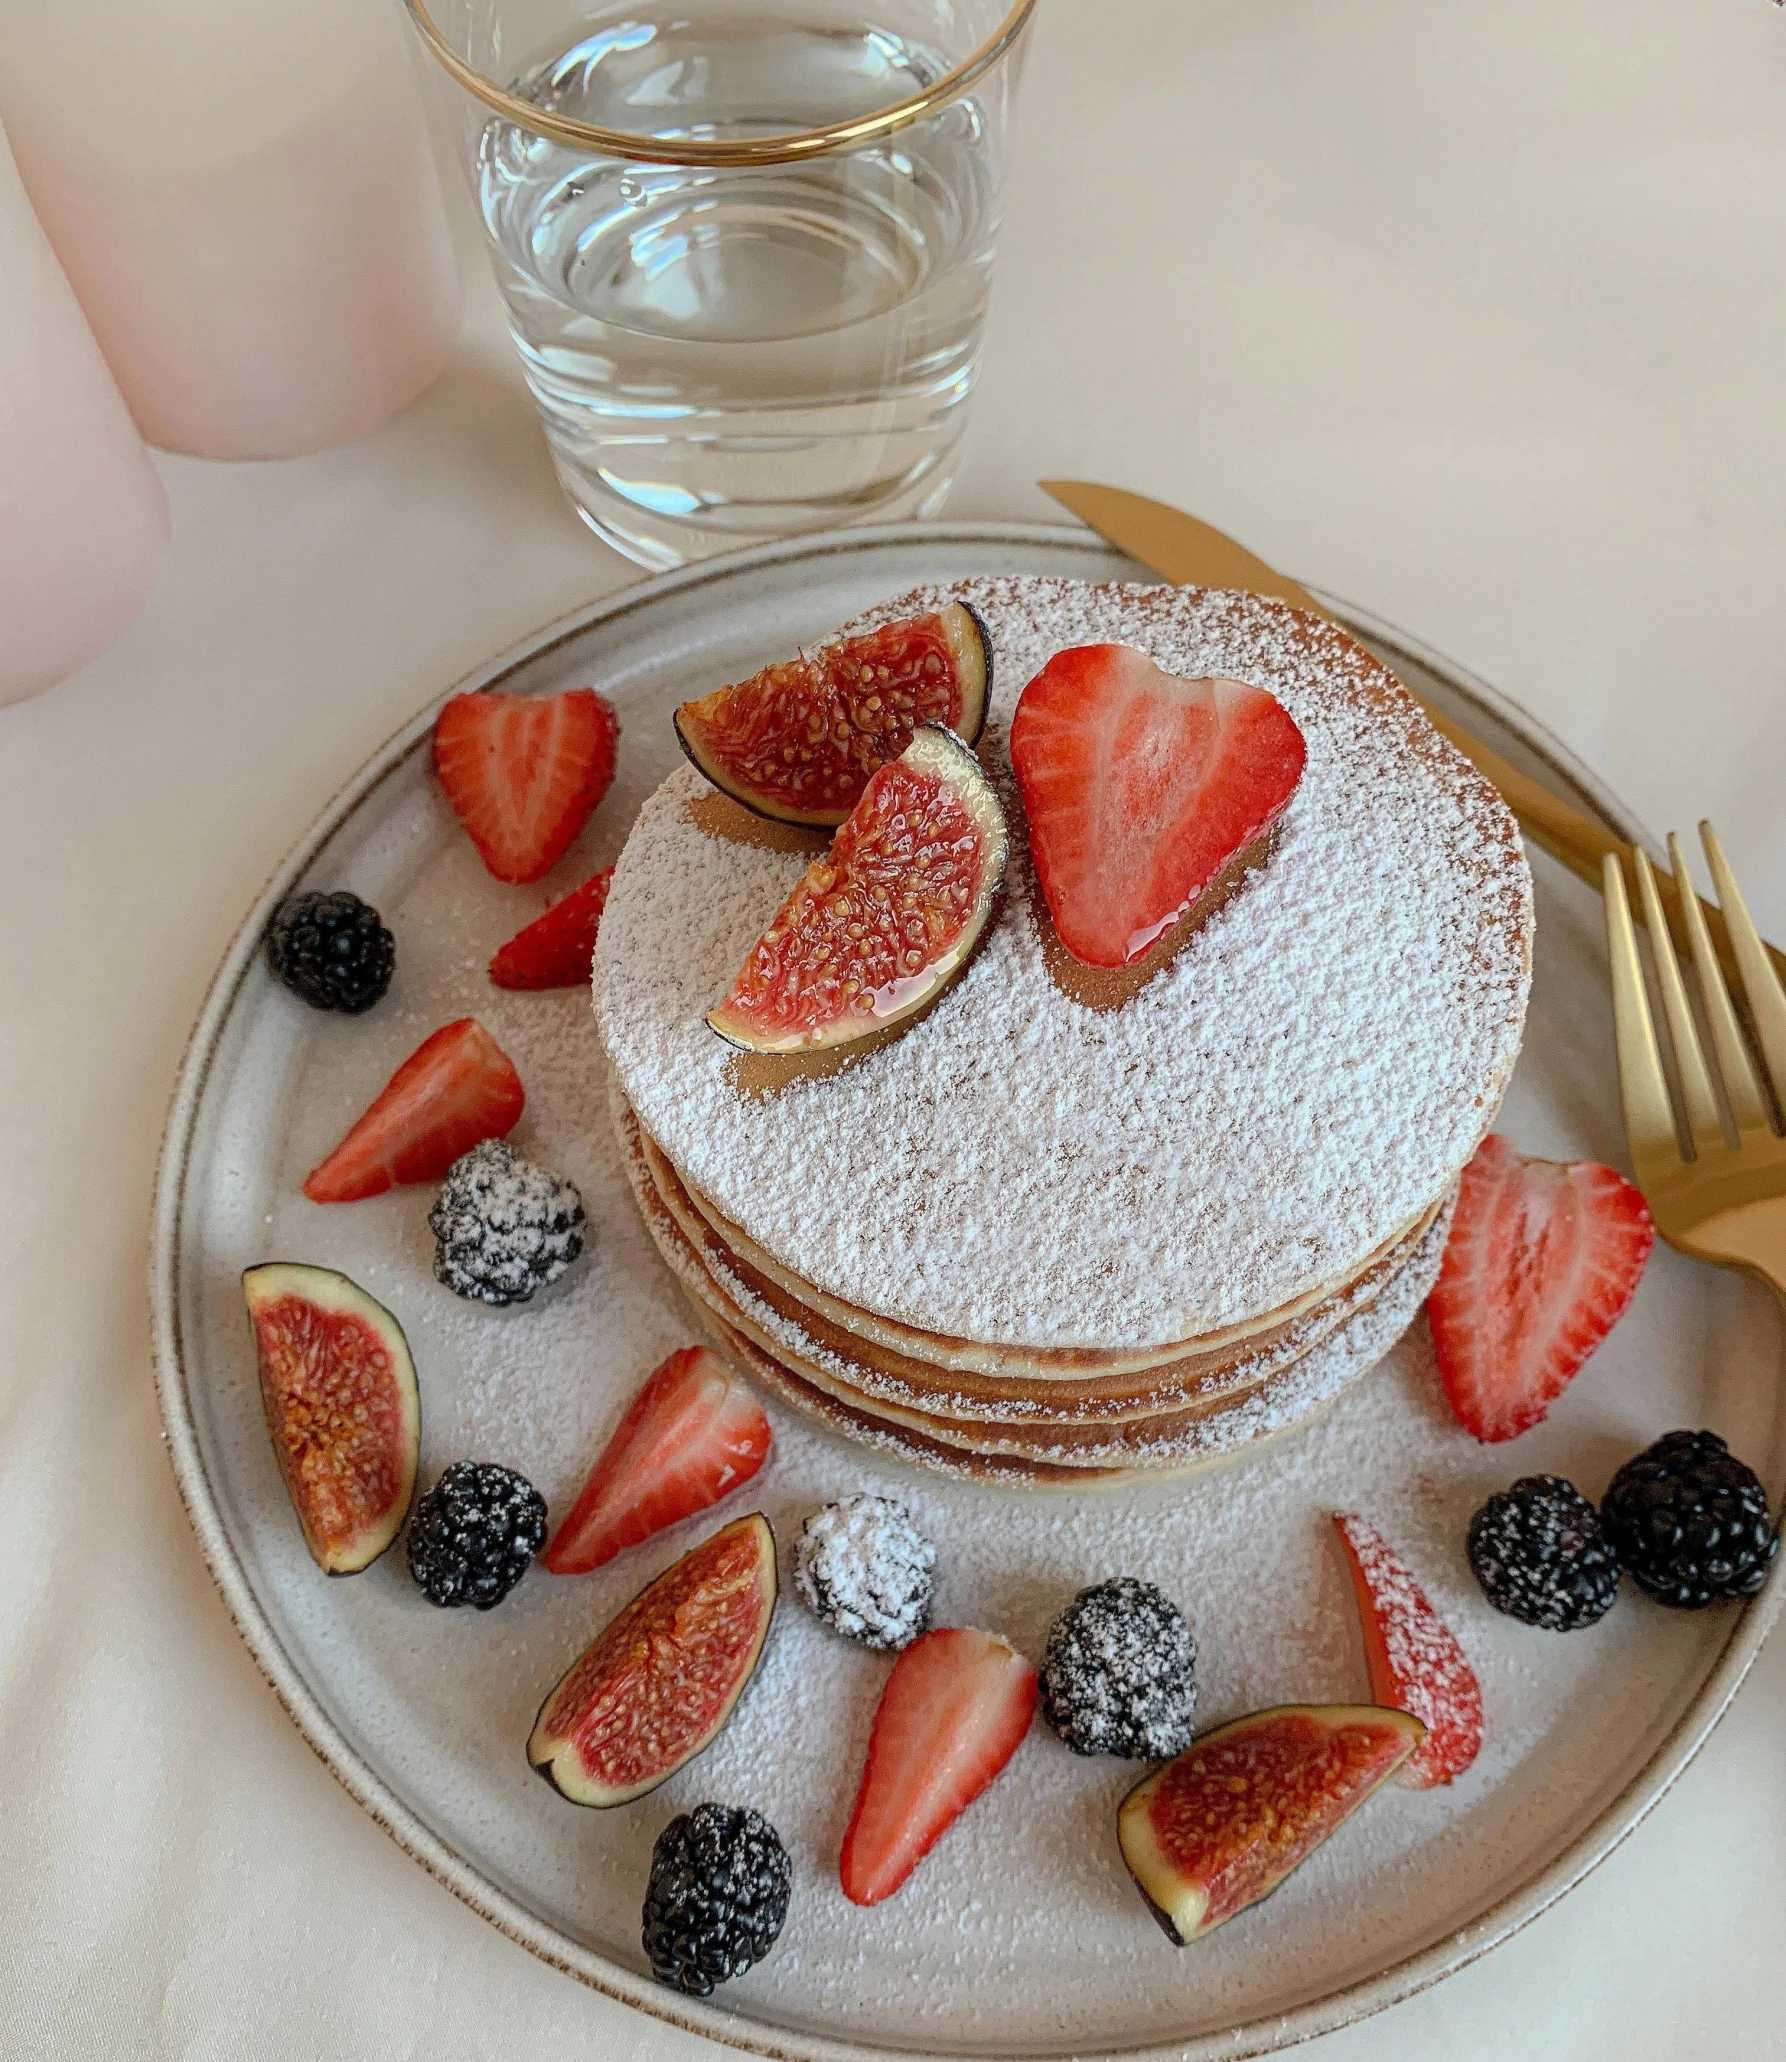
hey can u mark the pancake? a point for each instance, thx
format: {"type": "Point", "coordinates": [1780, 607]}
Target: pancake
{"type": "Point", "coordinates": [1083, 1456]}
{"type": "Point", "coordinates": [818, 1348]}
{"type": "Point", "coordinates": [1026, 1188]}
{"type": "Point", "coordinates": [1080, 1367]}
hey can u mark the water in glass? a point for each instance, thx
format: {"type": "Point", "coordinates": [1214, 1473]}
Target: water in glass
{"type": "Point", "coordinates": [725, 355]}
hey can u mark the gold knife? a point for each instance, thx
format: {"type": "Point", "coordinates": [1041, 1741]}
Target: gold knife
{"type": "Point", "coordinates": [1190, 553]}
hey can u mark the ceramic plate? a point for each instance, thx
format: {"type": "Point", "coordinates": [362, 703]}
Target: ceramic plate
{"type": "Point", "coordinates": [1020, 1933]}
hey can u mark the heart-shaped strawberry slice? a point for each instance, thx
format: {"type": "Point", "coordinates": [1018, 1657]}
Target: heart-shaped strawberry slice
{"type": "Point", "coordinates": [1140, 789]}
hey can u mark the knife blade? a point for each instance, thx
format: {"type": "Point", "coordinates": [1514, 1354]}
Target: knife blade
{"type": "Point", "coordinates": [1191, 553]}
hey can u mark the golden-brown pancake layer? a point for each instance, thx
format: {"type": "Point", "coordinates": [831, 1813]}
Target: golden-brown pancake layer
{"type": "Point", "coordinates": [1279, 1391]}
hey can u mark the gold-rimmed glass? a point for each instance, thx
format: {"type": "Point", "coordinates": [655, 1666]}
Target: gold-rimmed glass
{"type": "Point", "coordinates": [746, 250]}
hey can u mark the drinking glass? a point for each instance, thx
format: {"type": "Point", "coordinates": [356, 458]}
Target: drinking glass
{"type": "Point", "coordinates": [746, 250]}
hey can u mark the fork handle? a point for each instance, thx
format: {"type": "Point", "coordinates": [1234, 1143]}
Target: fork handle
{"type": "Point", "coordinates": [1751, 1237]}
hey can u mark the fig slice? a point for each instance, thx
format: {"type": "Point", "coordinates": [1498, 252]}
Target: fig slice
{"type": "Point", "coordinates": [656, 1686]}
{"type": "Point", "coordinates": [339, 1390]}
{"type": "Point", "coordinates": [799, 741]}
{"type": "Point", "coordinates": [1221, 1827]}
{"type": "Point", "coordinates": [885, 920]}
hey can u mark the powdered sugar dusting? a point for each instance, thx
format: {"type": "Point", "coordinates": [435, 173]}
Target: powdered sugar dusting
{"type": "Point", "coordinates": [864, 1569]}
{"type": "Point", "coordinates": [1303, 1080]}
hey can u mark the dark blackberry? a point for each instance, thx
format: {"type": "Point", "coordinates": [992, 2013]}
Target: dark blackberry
{"type": "Point", "coordinates": [333, 950]}
{"type": "Point", "coordinates": [1117, 1675]}
{"type": "Point", "coordinates": [717, 1897]}
{"type": "Point", "coordinates": [502, 1226]}
{"type": "Point", "coordinates": [472, 1536]}
{"type": "Point", "coordinates": [864, 1569]}
{"type": "Point", "coordinates": [1540, 1555]}
{"type": "Point", "coordinates": [1691, 1522]}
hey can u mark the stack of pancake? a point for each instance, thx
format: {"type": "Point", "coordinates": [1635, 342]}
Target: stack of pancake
{"type": "Point", "coordinates": [1055, 1242]}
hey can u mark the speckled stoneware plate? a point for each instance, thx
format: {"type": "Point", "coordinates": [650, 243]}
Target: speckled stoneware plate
{"type": "Point", "coordinates": [1020, 1934]}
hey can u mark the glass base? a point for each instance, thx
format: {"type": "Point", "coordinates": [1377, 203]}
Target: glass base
{"type": "Point", "coordinates": [660, 542]}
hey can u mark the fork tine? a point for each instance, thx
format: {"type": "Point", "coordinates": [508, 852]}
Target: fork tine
{"type": "Point", "coordinates": [1703, 1127]}
{"type": "Point", "coordinates": [1761, 985]}
{"type": "Point", "coordinates": [1741, 1089]}
{"type": "Point", "coordinates": [1649, 1116]}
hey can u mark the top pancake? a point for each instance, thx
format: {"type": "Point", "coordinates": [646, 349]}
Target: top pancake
{"type": "Point", "coordinates": [1305, 1078]}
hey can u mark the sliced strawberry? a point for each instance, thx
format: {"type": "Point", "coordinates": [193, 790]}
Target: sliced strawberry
{"type": "Point", "coordinates": [1140, 788]}
{"type": "Point", "coordinates": [524, 772]}
{"type": "Point", "coordinates": [693, 1434]}
{"type": "Point", "coordinates": [456, 1088]}
{"type": "Point", "coordinates": [1415, 1662]}
{"type": "Point", "coordinates": [1542, 1260]}
{"type": "Point", "coordinates": [555, 950]}
{"type": "Point", "coordinates": [954, 1711]}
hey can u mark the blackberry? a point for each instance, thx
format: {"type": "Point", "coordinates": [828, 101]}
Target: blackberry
{"type": "Point", "coordinates": [864, 1569]}
{"type": "Point", "coordinates": [333, 950]}
{"type": "Point", "coordinates": [1539, 1553]}
{"type": "Point", "coordinates": [1117, 1677]}
{"type": "Point", "coordinates": [717, 1897]}
{"type": "Point", "coordinates": [473, 1534]}
{"type": "Point", "coordinates": [1691, 1522]}
{"type": "Point", "coordinates": [502, 1226]}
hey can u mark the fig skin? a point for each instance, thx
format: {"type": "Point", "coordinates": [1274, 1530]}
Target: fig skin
{"type": "Point", "coordinates": [935, 749]}
{"type": "Point", "coordinates": [974, 664]}
{"type": "Point", "coordinates": [546, 1751]}
{"type": "Point", "coordinates": [1154, 1873]}
{"type": "Point", "coordinates": [334, 1295]}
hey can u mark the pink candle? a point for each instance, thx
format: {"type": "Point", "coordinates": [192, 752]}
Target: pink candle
{"type": "Point", "coordinates": [244, 200]}
{"type": "Point", "coordinates": [83, 519]}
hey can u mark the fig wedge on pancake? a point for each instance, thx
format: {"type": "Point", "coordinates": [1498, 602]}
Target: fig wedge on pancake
{"type": "Point", "coordinates": [885, 920]}
{"type": "Point", "coordinates": [800, 740]}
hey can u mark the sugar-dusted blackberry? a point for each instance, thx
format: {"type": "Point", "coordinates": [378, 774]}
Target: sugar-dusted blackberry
{"type": "Point", "coordinates": [717, 1898]}
{"type": "Point", "coordinates": [1540, 1555]}
{"type": "Point", "coordinates": [1118, 1674]}
{"type": "Point", "coordinates": [473, 1534]}
{"type": "Point", "coordinates": [864, 1569]}
{"type": "Point", "coordinates": [1691, 1522]}
{"type": "Point", "coordinates": [333, 950]}
{"type": "Point", "coordinates": [502, 1226]}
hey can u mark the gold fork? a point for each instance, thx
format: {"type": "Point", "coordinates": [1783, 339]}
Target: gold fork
{"type": "Point", "coordinates": [1716, 1181]}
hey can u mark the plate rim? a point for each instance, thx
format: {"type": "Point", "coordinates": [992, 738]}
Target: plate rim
{"type": "Point", "coordinates": [1259, 2036]}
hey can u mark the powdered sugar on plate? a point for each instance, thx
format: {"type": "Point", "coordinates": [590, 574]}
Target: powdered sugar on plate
{"type": "Point", "coordinates": [1301, 1082]}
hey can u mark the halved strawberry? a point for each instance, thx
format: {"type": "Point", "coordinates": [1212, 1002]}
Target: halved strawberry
{"type": "Point", "coordinates": [693, 1434]}
{"type": "Point", "coordinates": [456, 1088]}
{"type": "Point", "coordinates": [953, 1712]}
{"type": "Point", "coordinates": [555, 950]}
{"type": "Point", "coordinates": [1140, 788]}
{"type": "Point", "coordinates": [1415, 1662]}
{"type": "Point", "coordinates": [1543, 1257]}
{"type": "Point", "coordinates": [524, 772]}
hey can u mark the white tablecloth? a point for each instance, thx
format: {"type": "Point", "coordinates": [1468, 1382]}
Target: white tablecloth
{"type": "Point", "coordinates": [1476, 314]}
